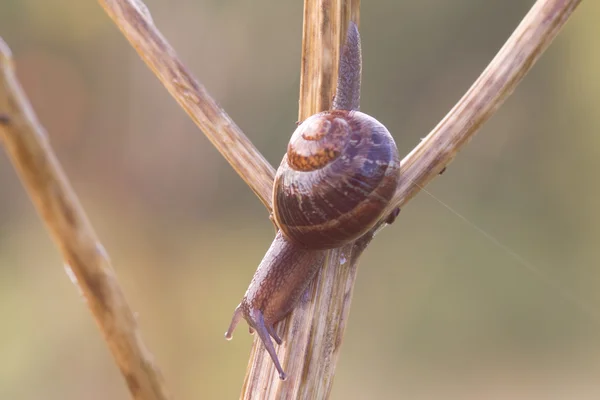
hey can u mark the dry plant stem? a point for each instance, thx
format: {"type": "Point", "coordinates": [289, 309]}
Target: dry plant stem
{"type": "Point", "coordinates": [27, 145]}
{"type": "Point", "coordinates": [311, 338]}
{"type": "Point", "coordinates": [527, 43]}
{"type": "Point", "coordinates": [134, 20]}
{"type": "Point", "coordinates": [323, 33]}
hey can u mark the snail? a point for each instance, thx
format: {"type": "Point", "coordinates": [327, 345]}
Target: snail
{"type": "Point", "coordinates": [334, 183]}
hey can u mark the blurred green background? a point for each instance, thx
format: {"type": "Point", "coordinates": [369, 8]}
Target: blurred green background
{"type": "Point", "coordinates": [439, 310]}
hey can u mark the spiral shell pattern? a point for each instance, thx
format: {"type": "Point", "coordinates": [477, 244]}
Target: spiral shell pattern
{"type": "Point", "coordinates": [339, 173]}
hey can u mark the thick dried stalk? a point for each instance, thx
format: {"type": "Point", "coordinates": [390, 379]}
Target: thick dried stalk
{"type": "Point", "coordinates": [323, 33]}
{"type": "Point", "coordinates": [85, 260]}
{"type": "Point", "coordinates": [134, 20]}
{"type": "Point", "coordinates": [312, 334]}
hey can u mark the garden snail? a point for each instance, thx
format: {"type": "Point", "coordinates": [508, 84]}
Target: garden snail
{"type": "Point", "coordinates": [340, 171]}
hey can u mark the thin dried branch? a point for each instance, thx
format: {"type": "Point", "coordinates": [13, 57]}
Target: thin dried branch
{"type": "Point", "coordinates": [527, 43]}
{"type": "Point", "coordinates": [85, 259]}
{"type": "Point", "coordinates": [133, 18]}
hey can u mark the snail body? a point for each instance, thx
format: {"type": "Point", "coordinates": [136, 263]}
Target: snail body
{"type": "Point", "coordinates": [281, 278]}
{"type": "Point", "coordinates": [333, 185]}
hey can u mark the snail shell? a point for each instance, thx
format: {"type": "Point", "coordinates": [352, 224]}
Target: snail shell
{"type": "Point", "coordinates": [339, 173]}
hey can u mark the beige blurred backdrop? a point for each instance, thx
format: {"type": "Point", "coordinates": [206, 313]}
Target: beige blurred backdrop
{"type": "Point", "coordinates": [439, 309]}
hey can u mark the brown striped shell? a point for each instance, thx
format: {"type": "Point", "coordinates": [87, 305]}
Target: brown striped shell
{"type": "Point", "coordinates": [340, 171]}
